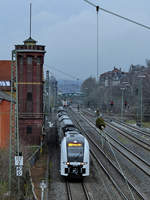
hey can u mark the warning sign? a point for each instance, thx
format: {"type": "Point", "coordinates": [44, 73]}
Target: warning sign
{"type": "Point", "coordinates": [19, 171]}
{"type": "Point", "coordinates": [18, 160]}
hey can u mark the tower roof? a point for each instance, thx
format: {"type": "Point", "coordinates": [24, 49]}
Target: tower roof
{"type": "Point", "coordinates": [29, 41]}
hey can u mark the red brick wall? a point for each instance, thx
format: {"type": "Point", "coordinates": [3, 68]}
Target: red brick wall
{"type": "Point", "coordinates": [31, 75]}
{"type": "Point", "coordinates": [30, 138]}
{"type": "Point", "coordinates": [4, 123]}
{"type": "Point", "coordinates": [34, 74]}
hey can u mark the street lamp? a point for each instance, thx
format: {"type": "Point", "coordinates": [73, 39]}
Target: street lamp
{"type": "Point", "coordinates": [141, 98]}
{"type": "Point", "coordinates": [122, 99]}
{"type": "Point", "coordinates": [78, 86]}
{"type": "Point", "coordinates": [86, 93]}
{"type": "Point", "coordinates": [125, 84]}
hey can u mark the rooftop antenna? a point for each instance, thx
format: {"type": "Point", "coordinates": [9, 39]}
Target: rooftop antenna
{"type": "Point", "coordinates": [30, 18]}
{"type": "Point", "coordinates": [30, 41]}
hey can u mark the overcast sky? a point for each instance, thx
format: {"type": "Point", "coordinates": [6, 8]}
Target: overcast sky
{"type": "Point", "coordinates": [68, 30]}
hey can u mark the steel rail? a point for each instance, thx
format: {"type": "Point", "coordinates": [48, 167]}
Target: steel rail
{"type": "Point", "coordinates": [133, 128]}
{"type": "Point", "coordinates": [101, 165]}
{"type": "Point", "coordinates": [134, 187]}
{"type": "Point", "coordinates": [68, 190]}
{"type": "Point", "coordinates": [109, 176]}
{"type": "Point", "coordinates": [84, 188]}
{"type": "Point", "coordinates": [86, 191]}
{"type": "Point", "coordinates": [145, 169]}
{"type": "Point", "coordinates": [138, 141]}
{"type": "Point", "coordinates": [146, 133]}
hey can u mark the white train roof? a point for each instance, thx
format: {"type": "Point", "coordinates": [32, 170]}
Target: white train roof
{"type": "Point", "coordinates": [66, 122]}
{"type": "Point", "coordinates": [75, 138]}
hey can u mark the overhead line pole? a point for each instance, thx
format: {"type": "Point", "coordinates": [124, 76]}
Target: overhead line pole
{"type": "Point", "coordinates": [17, 119]}
{"type": "Point", "coordinates": [97, 10]}
{"type": "Point", "coordinates": [14, 135]}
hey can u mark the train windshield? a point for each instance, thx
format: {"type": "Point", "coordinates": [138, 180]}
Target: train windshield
{"type": "Point", "coordinates": [68, 128]}
{"type": "Point", "coordinates": [75, 152]}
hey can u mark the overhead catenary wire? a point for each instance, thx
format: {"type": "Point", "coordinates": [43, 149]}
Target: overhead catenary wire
{"type": "Point", "coordinates": [60, 71]}
{"type": "Point", "coordinates": [117, 15]}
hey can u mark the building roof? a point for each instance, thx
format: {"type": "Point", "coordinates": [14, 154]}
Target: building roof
{"type": "Point", "coordinates": [5, 96]}
{"type": "Point", "coordinates": [5, 70]}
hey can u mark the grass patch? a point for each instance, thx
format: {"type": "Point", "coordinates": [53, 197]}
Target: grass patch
{"type": "Point", "coordinates": [146, 124]}
{"type": "Point", "coordinates": [3, 188]}
{"type": "Point", "coordinates": [130, 121]}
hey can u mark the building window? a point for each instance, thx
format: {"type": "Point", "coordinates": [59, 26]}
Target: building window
{"type": "Point", "coordinates": [38, 60]}
{"type": "Point", "coordinates": [29, 60]}
{"type": "Point", "coordinates": [29, 129]}
{"type": "Point", "coordinates": [29, 96]}
{"type": "Point", "coordinates": [21, 60]}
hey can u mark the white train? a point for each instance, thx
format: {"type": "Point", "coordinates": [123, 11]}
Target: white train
{"type": "Point", "coordinates": [74, 155]}
{"type": "Point", "coordinates": [64, 126]}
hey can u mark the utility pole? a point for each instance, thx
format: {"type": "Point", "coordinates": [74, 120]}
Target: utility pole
{"type": "Point", "coordinates": [47, 98]}
{"type": "Point", "coordinates": [14, 123]}
{"type": "Point", "coordinates": [47, 91]}
{"type": "Point", "coordinates": [140, 96]}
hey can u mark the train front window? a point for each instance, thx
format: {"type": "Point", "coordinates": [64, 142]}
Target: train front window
{"type": "Point", "coordinates": [75, 153]}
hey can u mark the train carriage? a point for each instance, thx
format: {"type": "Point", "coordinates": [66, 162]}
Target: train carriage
{"type": "Point", "coordinates": [74, 155]}
{"type": "Point", "coordinates": [65, 125]}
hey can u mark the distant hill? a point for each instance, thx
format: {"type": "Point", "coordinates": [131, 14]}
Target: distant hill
{"type": "Point", "coordinates": [69, 86]}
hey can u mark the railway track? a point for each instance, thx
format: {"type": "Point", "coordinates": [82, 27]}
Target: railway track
{"type": "Point", "coordinates": [131, 127]}
{"type": "Point", "coordinates": [141, 163]}
{"type": "Point", "coordinates": [134, 131]}
{"type": "Point", "coordinates": [77, 191]}
{"type": "Point", "coordinates": [131, 135]}
{"type": "Point", "coordinates": [137, 192]}
{"type": "Point", "coordinates": [136, 146]}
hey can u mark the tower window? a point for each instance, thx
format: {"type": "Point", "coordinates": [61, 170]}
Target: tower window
{"type": "Point", "coordinates": [38, 60]}
{"type": "Point", "coordinates": [29, 96]}
{"type": "Point", "coordinates": [29, 129]}
{"type": "Point", "coordinates": [21, 60]}
{"type": "Point", "coordinates": [29, 60]}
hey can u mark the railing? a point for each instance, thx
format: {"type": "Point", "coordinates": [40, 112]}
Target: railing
{"type": "Point", "coordinates": [32, 160]}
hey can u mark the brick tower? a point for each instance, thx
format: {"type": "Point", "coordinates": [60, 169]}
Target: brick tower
{"type": "Point", "coordinates": [30, 59]}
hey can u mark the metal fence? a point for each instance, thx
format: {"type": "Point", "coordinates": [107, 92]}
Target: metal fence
{"type": "Point", "coordinates": [32, 160]}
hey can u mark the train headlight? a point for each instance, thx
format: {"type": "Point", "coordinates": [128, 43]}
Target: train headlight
{"type": "Point", "coordinates": [83, 163]}
{"type": "Point", "coordinates": [67, 163]}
